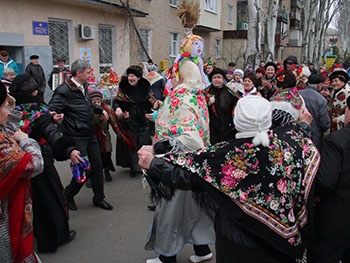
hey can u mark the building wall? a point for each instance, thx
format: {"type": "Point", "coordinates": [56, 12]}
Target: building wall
{"type": "Point", "coordinates": [17, 20]}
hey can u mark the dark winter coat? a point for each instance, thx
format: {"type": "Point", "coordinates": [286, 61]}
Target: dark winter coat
{"type": "Point", "coordinates": [37, 72]}
{"type": "Point", "coordinates": [221, 114]}
{"type": "Point", "coordinates": [79, 112]}
{"type": "Point", "coordinates": [333, 185]}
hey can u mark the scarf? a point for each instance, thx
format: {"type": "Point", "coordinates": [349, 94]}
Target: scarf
{"type": "Point", "coordinates": [263, 189]}
{"type": "Point", "coordinates": [128, 138]}
{"type": "Point", "coordinates": [13, 163]}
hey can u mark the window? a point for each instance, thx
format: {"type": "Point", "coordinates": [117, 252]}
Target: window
{"type": "Point", "coordinates": [105, 43]}
{"type": "Point", "coordinates": [145, 35]}
{"type": "Point", "coordinates": [174, 44]}
{"type": "Point", "coordinates": [242, 12]}
{"type": "Point", "coordinates": [59, 39]}
{"type": "Point", "coordinates": [217, 48]}
{"type": "Point", "coordinates": [230, 14]}
{"type": "Point", "coordinates": [174, 2]}
{"type": "Point", "coordinates": [210, 5]}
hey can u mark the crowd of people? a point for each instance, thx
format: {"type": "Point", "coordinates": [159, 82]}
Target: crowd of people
{"type": "Point", "coordinates": [252, 160]}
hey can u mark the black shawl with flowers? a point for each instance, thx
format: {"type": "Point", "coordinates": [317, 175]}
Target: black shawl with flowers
{"type": "Point", "coordinates": [263, 189]}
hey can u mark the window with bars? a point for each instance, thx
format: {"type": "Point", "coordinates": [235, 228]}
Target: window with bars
{"type": "Point", "coordinates": [174, 44]}
{"type": "Point", "coordinates": [59, 40]}
{"type": "Point", "coordinates": [210, 5]}
{"type": "Point", "coordinates": [105, 43]}
{"type": "Point", "coordinates": [146, 41]}
{"type": "Point", "coordinates": [217, 48]}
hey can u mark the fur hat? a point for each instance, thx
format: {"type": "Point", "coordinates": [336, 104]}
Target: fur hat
{"type": "Point", "coordinates": [34, 57]}
{"type": "Point", "coordinates": [339, 73]}
{"type": "Point", "coordinates": [252, 118]}
{"type": "Point", "coordinates": [286, 79]}
{"type": "Point", "coordinates": [216, 71]}
{"type": "Point", "coordinates": [95, 94]}
{"type": "Point", "coordinates": [315, 79]}
{"type": "Point", "coordinates": [268, 64]}
{"type": "Point", "coordinates": [23, 84]}
{"type": "Point", "coordinates": [238, 71]}
{"type": "Point", "coordinates": [134, 69]}
{"type": "Point", "coordinates": [3, 93]}
{"type": "Point", "coordinates": [285, 105]}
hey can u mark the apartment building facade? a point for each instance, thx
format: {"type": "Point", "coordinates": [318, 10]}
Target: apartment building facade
{"type": "Point", "coordinates": [108, 33]}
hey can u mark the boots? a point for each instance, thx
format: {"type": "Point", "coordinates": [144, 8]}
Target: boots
{"type": "Point", "coordinates": [108, 176]}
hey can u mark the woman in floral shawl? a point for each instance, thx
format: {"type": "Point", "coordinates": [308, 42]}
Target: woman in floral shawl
{"type": "Point", "coordinates": [337, 103]}
{"type": "Point", "coordinates": [182, 118]}
{"type": "Point", "coordinates": [20, 159]}
{"type": "Point", "coordinates": [259, 184]}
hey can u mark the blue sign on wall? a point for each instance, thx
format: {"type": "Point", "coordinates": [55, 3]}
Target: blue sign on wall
{"type": "Point", "coordinates": [40, 28]}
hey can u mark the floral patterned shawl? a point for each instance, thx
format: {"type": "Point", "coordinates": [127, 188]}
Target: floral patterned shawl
{"type": "Point", "coordinates": [15, 184]}
{"type": "Point", "coordinates": [184, 115]}
{"type": "Point", "coordinates": [265, 189]}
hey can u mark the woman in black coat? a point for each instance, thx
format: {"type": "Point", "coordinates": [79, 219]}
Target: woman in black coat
{"type": "Point", "coordinates": [131, 105]}
{"type": "Point", "coordinates": [50, 213]}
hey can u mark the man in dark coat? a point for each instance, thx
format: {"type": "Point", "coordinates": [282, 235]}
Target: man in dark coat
{"type": "Point", "coordinates": [332, 232]}
{"type": "Point", "coordinates": [73, 100]}
{"type": "Point", "coordinates": [35, 70]}
{"type": "Point", "coordinates": [317, 106]}
{"type": "Point", "coordinates": [61, 67]}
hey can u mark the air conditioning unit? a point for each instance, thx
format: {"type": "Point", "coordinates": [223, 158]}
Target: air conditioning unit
{"type": "Point", "coordinates": [244, 26]}
{"type": "Point", "coordinates": [87, 32]}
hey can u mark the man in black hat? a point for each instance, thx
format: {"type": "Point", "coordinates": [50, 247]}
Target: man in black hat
{"type": "Point", "coordinates": [35, 70]}
{"type": "Point", "coordinates": [55, 74]}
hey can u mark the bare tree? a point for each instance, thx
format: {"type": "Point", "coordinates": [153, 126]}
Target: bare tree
{"type": "Point", "coordinates": [342, 24]}
{"type": "Point", "coordinates": [317, 18]}
{"type": "Point", "coordinates": [270, 30]}
{"type": "Point", "coordinates": [253, 52]}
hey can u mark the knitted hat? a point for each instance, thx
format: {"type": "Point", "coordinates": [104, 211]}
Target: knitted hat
{"type": "Point", "coordinates": [3, 93]}
{"type": "Point", "coordinates": [305, 72]}
{"type": "Point", "coordinates": [268, 64]}
{"type": "Point", "coordinates": [285, 105]}
{"type": "Point", "coordinates": [252, 118]}
{"type": "Point", "coordinates": [286, 79]}
{"type": "Point", "coordinates": [95, 94]}
{"type": "Point", "coordinates": [290, 60]}
{"type": "Point", "coordinates": [238, 71]}
{"type": "Point", "coordinates": [134, 69]}
{"type": "Point", "coordinates": [339, 73]}
{"type": "Point", "coordinates": [216, 71]}
{"type": "Point", "coordinates": [260, 70]}
{"type": "Point", "coordinates": [229, 71]}
{"type": "Point", "coordinates": [23, 84]}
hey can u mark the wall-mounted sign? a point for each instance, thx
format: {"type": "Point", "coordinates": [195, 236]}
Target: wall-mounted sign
{"type": "Point", "coordinates": [40, 28]}
{"type": "Point", "coordinates": [85, 54]}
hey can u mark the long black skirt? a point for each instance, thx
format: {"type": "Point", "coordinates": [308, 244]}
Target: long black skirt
{"type": "Point", "coordinates": [50, 215]}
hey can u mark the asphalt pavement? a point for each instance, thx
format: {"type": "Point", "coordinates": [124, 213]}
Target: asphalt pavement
{"type": "Point", "coordinates": [110, 236]}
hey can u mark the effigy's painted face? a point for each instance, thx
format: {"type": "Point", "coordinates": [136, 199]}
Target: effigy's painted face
{"type": "Point", "coordinates": [197, 48]}
{"type": "Point", "coordinates": [194, 45]}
